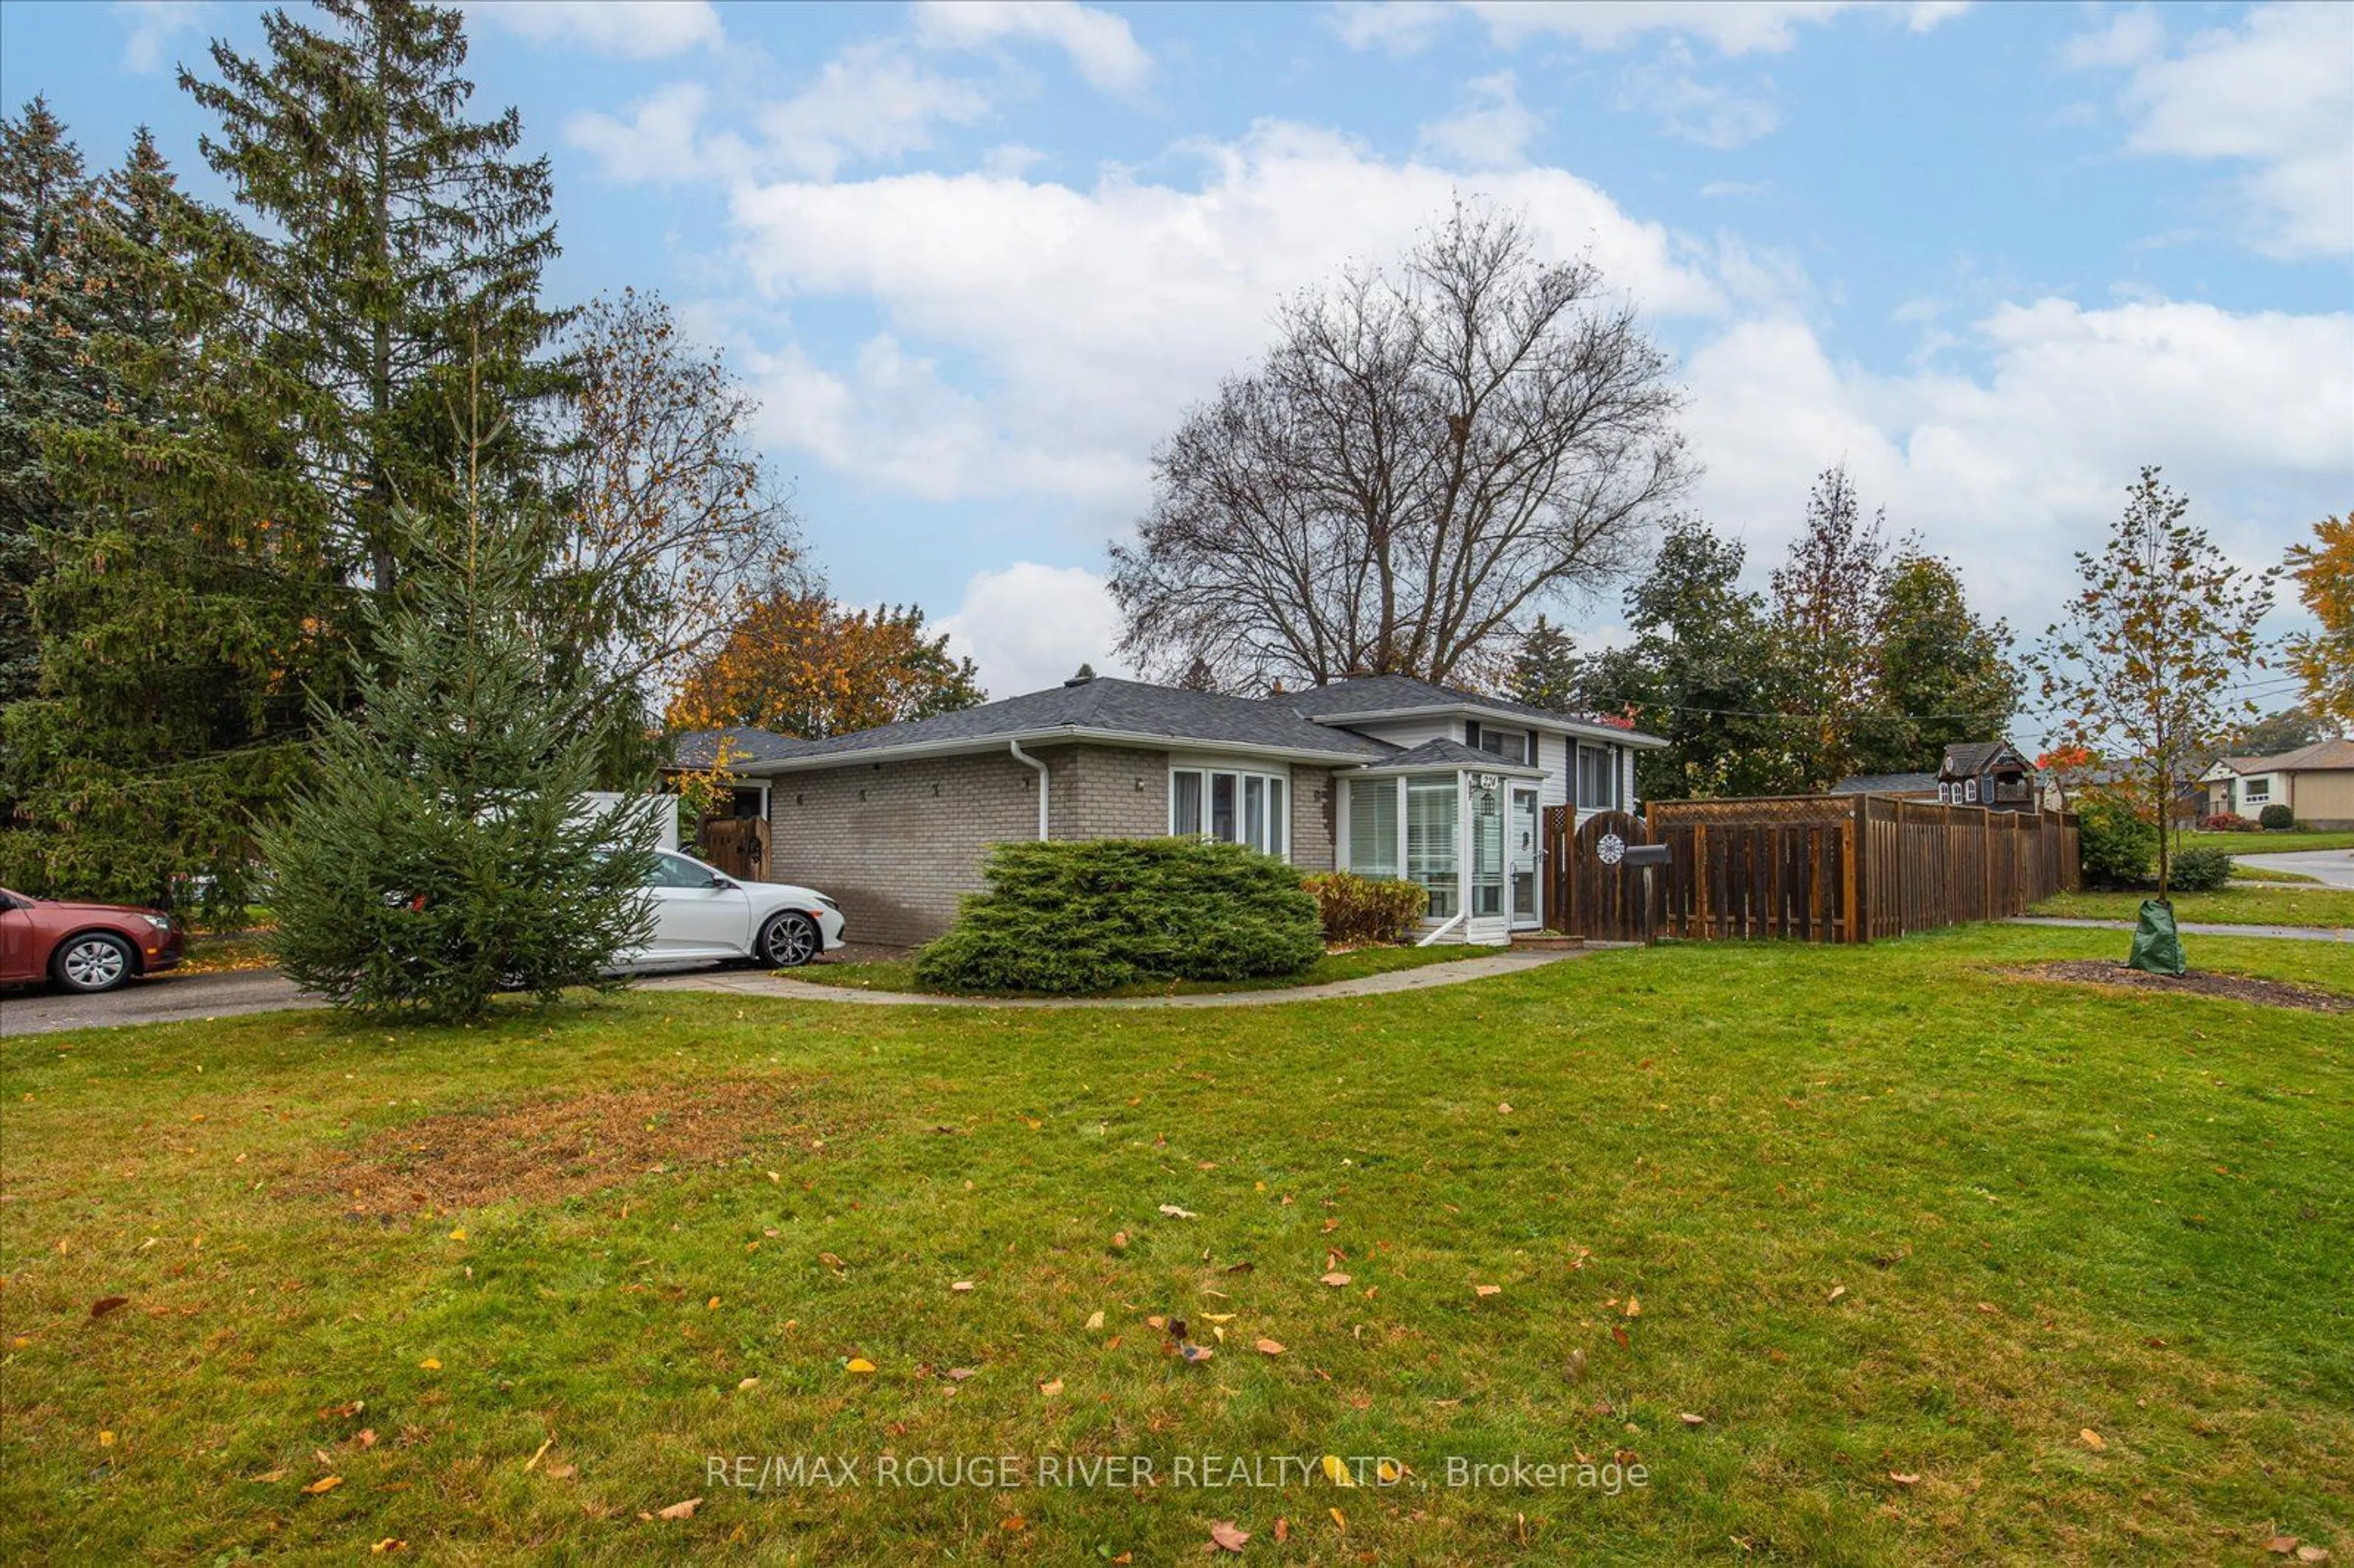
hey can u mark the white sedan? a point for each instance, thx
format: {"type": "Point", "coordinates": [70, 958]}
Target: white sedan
{"type": "Point", "coordinates": [702, 915]}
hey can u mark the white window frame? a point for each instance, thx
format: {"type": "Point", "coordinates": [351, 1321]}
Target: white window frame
{"type": "Point", "coordinates": [1970, 791]}
{"type": "Point", "coordinates": [1275, 836]}
{"type": "Point", "coordinates": [1612, 768]}
{"type": "Point", "coordinates": [2258, 791]}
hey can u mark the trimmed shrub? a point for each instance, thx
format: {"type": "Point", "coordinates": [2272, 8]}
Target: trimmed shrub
{"type": "Point", "coordinates": [2199, 870]}
{"type": "Point", "coordinates": [1069, 918]}
{"type": "Point", "coordinates": [2116, 847]}
{"type": "Point", "coordinates": [2276, 819]}
{"type": "Point", "coordinates": [1358, 910]}
{"type": "Point", "coordinates": [2226, 822]}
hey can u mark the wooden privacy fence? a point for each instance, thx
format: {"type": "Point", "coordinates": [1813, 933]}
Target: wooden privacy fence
{"type": "Point", "coordinates": [1814, 868]}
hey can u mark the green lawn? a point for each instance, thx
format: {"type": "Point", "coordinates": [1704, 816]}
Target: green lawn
{"type": "Point", "coordinates": [899, 974]}
{"type": "Point", "coordinates": [2271, 844]}
{"type": "Point", "coordinates": [1896, 1228]}
{"type": "Point", "coordinates": [2254, 904]}
{"type": "Point", "coordinates": [2243, 870]}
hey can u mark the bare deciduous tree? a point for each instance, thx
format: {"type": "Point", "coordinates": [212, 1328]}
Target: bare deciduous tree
{"type": "Point", "coordinates": [1422, 460]}
{"type": "Point", "coordinates": [670, 530]}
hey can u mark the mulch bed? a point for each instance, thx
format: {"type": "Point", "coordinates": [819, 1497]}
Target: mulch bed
{"type": "Point", "coordinates": [548, 1151]}
{"type": "Point", "coordinates": [2198, 982]}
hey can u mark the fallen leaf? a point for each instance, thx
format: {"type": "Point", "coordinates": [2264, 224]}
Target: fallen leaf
{"type": "Point", "coordinates": [1339, 1520]}
{"type": "Point", "coordinates": [958, 1375]}
{"type": "Point", "coordinates": [1267, 1348]}
{"type": "Point", "coordinates": [364, 1437]}
{"type": "Point", "coordinates": [269, 1478]}
{"type": "Point", "coordinates": [1619, 1334]}
{"type": "Point", "coordinates": [105, 1304]}
{"type": "Point", "coordinates": [1192, 1352]}
{"type": "Point", "coordinates": [322, 1485]}
{"type": "Point", "coordinates": [430, 1363]}
{"type": "Point", "coordinates": [1903, 1481]}
{"type": "Point", "coordinates": [682, 1510]}
{"type": "Point", "coordinates": [1014, 1522]}
{"type": "Point", "coordinates": [1051, 1387]}
{"type": "Point", "coordinates": [748, 1383]}
{"type": "Point", "coordinates": [557, 1470]}
{"type": "Point", "coordinates": [712, 1305]}
{"type": "Point", "coordinates": [831, 1261]}
{"type": "Point", "coordinates": [2093, 1439]}
{"type": "Point", "coordinates": [2280, 1545]}
{"type": "Point", "coordinates": [1095, 1319]}
{"type": "Point", "coordinates": [458, 1234]}
{"type": "Point", "coordinates": [1174, 1213]}
{"type": "Point", "coordinates": [1119, 1238]}
{"type": "Point", "coordinates": [858, 1364]}
{"type": "Point", "coordinates": [2313, 1554]}
{"type": "Point", "coordinates": [344, 1412]}
{"type": "Point", "coordinates": [389, 1543]}
{"type": "Point", "coordinates": [961, 1285]}
{"type": "Point", "coordinates": [1689, 1419]}
{"type": "Point", "coordinates": [1504, 1108]}
{"type": "Point", "coordinates": [537, 1454]}
{"type": "Point", "coordinates": [1837, 1291]}
{"type": "Point", "coordinates": [1334, 1278]}
{"type": "Point", "coordinates": [1336, 1472]}
{"type": "Point", "coordinates": [1634, 1308]}
{"type": "Point", "coordinates": [1225, 1536]}
{"type": "Point", "coordinates": [106, 1439]}
{"type": "Point", "coordinates": [1282, 1527]}
{"type": "Point", "coordinates": [1489, 1289]}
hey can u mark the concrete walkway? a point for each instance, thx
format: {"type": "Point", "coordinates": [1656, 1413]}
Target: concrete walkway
{"type": "Point", "coordinates": [1429, 977]}
{"type": "Point", "coordinates": [2331, 868]}
{"type": "Point", "coordinates": [2198, 929]}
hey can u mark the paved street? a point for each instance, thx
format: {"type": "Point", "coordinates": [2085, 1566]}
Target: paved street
{"type": "Point", "coordinates": [2332, 868]}
{"type": "Point", "coordinates": [162, 1000]}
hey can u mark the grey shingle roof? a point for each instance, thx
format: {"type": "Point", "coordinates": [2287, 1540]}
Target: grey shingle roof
{"type": "Point", "coordinates": [1105, 705]}
{"type": "Point", "coordinates": [1392, 694]}
{"type": "Point", "coordinates": [700, 748]}
{"type": "Point", "coordinates": [1445, 753]}
{"type": "Point", "coordinates": [1887, 784]}
{"type": "Point", "coordinates": [1967, 756]}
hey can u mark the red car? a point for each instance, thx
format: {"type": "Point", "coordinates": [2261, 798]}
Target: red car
{"type": "Point", "coordinates": [82, 947]}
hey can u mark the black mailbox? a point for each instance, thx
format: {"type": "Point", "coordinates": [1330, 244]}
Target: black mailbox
{"type": "Point", "coordinates": [1646, 855]}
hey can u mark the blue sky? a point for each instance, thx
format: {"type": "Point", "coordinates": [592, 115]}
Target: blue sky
{"type": "Point", "coordinates": [976, 258]}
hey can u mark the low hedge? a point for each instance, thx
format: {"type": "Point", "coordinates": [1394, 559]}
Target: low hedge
{"type": "Point", "coordinates": [1068, 917]}
{"type": "Point", "coordinates": [2276, 818]}
{"type": "Point", "coordinates": [1358, 910]}
{"type": "Point", "coordinates": [2199, 870]}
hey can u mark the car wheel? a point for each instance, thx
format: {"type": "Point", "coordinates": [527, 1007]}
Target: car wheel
{"type": "Point", "coordinates": [93, 961]}
{"type": "Point", "coordinates": [789, 940]}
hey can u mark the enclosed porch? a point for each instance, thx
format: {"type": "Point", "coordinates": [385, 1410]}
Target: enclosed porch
{"type": "Point", "coordinates": [1462, 824]}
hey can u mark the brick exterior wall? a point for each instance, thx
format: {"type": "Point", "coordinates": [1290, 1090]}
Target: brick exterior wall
{"type": "Point", "coordinates": [1312, 817]}
{"type": "Point", "coordinates": [896, 844]}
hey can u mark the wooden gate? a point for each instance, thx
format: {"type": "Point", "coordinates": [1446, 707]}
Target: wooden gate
{"type": "Point", "coordinates": [737, 845]}
{"type": "Point", "coordinates": [1591, 891]}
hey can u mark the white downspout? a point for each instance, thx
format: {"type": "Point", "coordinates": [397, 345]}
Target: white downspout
{"type": "Point", "coordinates": [1021, 755]}
{"type": "Point", "coordinates": [1459, 917]}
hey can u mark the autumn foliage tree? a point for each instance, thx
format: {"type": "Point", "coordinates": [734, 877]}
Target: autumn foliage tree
{"type": "Point", "coordinates": [2324, 659]}
{"type": "Point", "coordinates": [2140, 668]}
{"type": "Point", "coordinates": [802, 664]}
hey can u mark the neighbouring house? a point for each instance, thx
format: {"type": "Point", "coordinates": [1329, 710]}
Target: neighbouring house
{"type": "Point", "coordinates": [1989, 773]}
{"type": "Point", "coordinates": [1385, 775]}
{"type": "Point", "coordinates": [2315, 782]}
{"type": "Point", "coordinates": [698, 750]}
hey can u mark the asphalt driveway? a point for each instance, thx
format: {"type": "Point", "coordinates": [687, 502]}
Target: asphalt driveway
{"type": "Point", "coordinates": [164, 1000]}
{"type": "Point", "coordinates": [2331, 868]}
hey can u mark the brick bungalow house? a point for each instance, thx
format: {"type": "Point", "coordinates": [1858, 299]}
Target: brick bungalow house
{"type": "Point", "coordinates": [1384, 774]}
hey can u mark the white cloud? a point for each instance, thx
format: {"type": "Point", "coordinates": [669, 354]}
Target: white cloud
{"type": "Point", "coordinates": [2011, 472]}
{"type": "Point", "coordinates": [1694, 110]}
{"type": "Point", "coordinates": [1400, 26]}
{"type": "Point", "coordinates": [2275, 94]}
{"type": "Point", "coordinates": [1100, 45]}
{"type": "Point", "coordinates": [1030, 626]}
{"type": "Point", "coordinates": [150, 26]}
{"type": "Point", "coordinates": [1094, 316]}
{"type": "Point", "coordinates": [629, 29]}
{"type": "Point", "coordinates": [873, 101]}
{"type": "Point", "coordinates": [1491, 130]}
{"type": "Point", "coordinates": [1753, 26]}
{"type": "Point", "coordinates": [659, 143]}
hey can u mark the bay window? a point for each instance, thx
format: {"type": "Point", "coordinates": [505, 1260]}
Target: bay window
{"type": "Point", "coordinates": [1232, 807]}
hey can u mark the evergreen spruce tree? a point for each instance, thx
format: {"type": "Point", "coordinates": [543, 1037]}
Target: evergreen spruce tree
{"type": "Point", "coordinates": [405, 250]}
{"type": "Point", "coordinates": [186, 597]}
{"type": "Point", "coordinates": [1544, 672]}
{"type": "Point", "coordinates": [443, 852]}
{"type": "Point", "coordinates": [45, 376]}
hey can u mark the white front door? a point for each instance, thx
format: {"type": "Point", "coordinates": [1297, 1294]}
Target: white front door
{"type": "Point", "coordinates": [1521, 833]}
